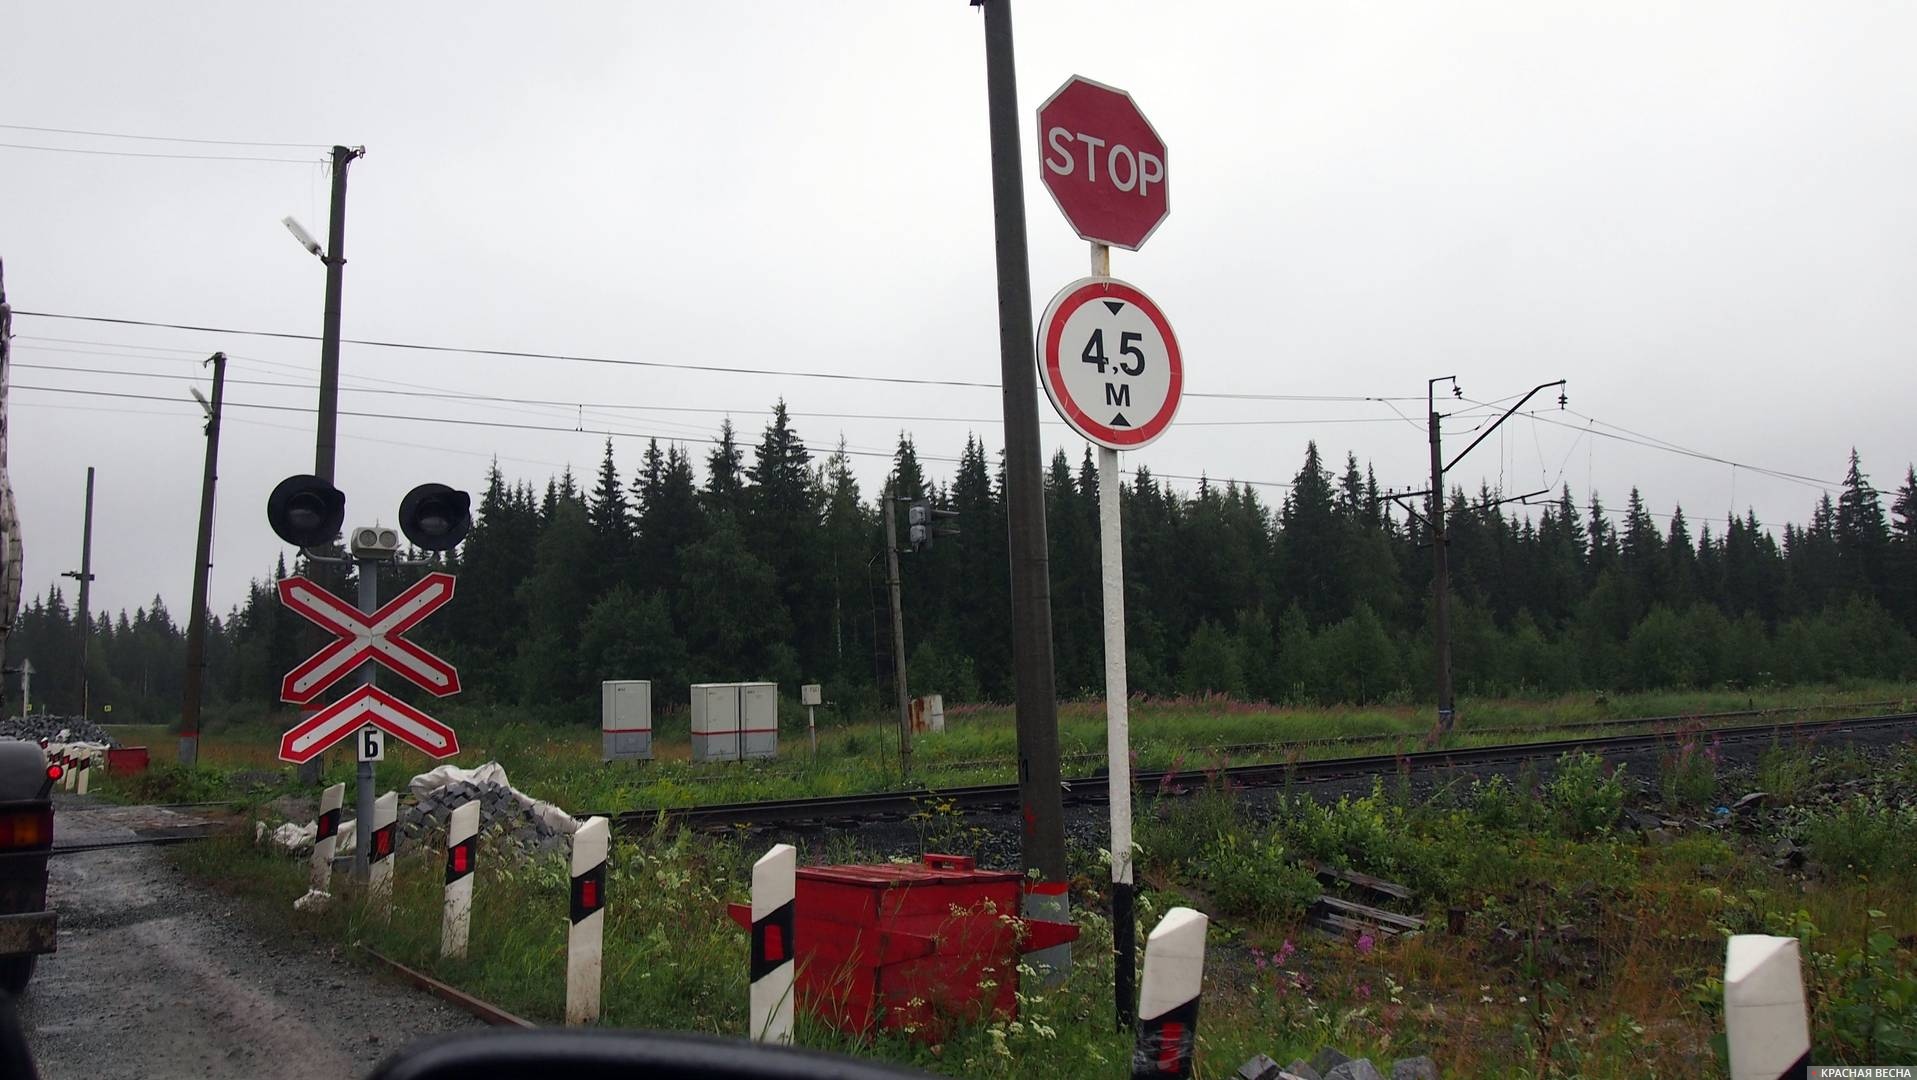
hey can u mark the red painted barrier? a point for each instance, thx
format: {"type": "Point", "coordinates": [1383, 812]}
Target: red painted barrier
{"type": "Point", "coordinates": [910, 947]}
{"type": "Point", "coordinates": [126, 759]}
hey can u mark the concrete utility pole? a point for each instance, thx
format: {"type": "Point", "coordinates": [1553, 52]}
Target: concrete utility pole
{"type": "Point", "coordinates": [898, 635]}
{"type": "Point", "coordinates": [325, 431]}
{"type": "Point", "coordinates": [202, 564]}
{"type": "Point", "coordinates": [335, 258]}
{"type": "Point", "coordinates": [1440, 539]}
{"type": "Point", "coordinates": [85, 576]}
{"type": "Point", "coordinates": [1037, 701]}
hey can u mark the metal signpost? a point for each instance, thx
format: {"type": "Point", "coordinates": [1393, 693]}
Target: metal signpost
{"type": "Point", "coordinates": [1112, 368]}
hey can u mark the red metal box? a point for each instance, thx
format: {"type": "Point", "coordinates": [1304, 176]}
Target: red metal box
{"type": "Point", "coordinates": [910, 947]}
{"type": "Point", "coordinates": [126, 759]}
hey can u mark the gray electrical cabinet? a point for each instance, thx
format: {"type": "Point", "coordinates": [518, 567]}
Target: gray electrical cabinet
{"type": "Point", "coordinates": [733, 721]}
{"type": "Point", "coordinates": [625, 720]}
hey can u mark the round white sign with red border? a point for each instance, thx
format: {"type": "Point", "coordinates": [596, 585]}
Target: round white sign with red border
{"type": "Point", "coordinates": [1110, 363]}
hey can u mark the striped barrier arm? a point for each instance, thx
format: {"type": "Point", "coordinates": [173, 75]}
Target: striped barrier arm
{"type": "Point", "coordinates": [585, 940]}
{"type": "Point", "coordinates": [774, 965]}
{"type": "Point", "coordinates": [462, 858]}
{"type": "Point", "coordinates": [326, 835]}
{"type": "Point", "coordinates": [1766, 1027]}
{"type": "Point", "coordinates": [1168, 1001]}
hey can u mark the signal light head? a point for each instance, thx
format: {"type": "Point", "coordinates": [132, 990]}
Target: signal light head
{"type": "Point", "coordinates": [435, 517]}
{"type": "Point", "coordinates": [306, 511]}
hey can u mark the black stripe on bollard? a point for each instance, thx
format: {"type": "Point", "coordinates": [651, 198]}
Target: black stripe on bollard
{"type": "Point", "coordinates": [1165, 1044]}
{"type": "Point", "coordinates": [588, 892]}
{"type": "Point", "coordinates": [328, 825]}
{"type": "Point", "coordinates": [462, 858]}
{"type": "Point", "coordinates": [382, 844]}
{"type": "Point", "coordinates": [772, 941]}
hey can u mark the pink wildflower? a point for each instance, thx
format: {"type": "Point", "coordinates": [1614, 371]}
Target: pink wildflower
{"type": "Point", "coordinates": [1366, 941]}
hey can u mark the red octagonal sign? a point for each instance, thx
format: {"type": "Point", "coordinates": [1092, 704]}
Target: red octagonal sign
{"type": "Point", "coordinates": [1103, 163]}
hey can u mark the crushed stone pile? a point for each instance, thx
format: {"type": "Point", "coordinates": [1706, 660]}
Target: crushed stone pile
{"type": "Point", "coordinates": [55, 729]}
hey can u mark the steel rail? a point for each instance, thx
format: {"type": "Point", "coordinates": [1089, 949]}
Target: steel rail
{"type": "Point", "coordinates": [1092, 789]}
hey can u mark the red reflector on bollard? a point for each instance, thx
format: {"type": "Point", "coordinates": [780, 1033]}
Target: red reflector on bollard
{"type": "Point", "coordinates": [774, 945]}
{"type": "Point", "coordinates": [1171, 1047]}
{"type": "Point", "coordinates": [460, 863]}
{"type": "Point", "coordinates": [589, 895]}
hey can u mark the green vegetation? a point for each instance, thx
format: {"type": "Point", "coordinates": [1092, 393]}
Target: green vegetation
{"type": "Point", "coordinates": [1588, 949]}
{"type": "Point", "coordinates": [561, 763]}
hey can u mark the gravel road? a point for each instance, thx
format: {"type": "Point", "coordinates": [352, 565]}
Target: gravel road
{"type": "Point", "coordinates": [156, 977]}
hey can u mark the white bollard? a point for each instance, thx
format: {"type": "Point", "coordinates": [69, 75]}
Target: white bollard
{"type": "Point", "coordinates": [379, 857]}
{"type": "Point", "coordinates": [585, 940]}
{"type": "Point", "coordinates": [462, 856]}
{"type": "Point", "coordinates": [326, 835]}
{"type": "Point", "coordinates": [774, 884]}
{"type": "Point", "coordinates": [82, 768]}
{"type": "Point", "coordinates": [1168, 997]}
{"type": "Point", "coordinates": [1766, 1026]}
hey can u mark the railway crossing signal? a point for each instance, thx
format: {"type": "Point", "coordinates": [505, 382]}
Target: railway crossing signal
{"type": "Point", "coordinates": [376, 637]}
{"type": "Point", "coordinates": [367, 705]}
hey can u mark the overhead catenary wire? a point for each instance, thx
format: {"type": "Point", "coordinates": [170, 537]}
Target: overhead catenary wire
{"type": "Point", "coordinates": [145, 154]}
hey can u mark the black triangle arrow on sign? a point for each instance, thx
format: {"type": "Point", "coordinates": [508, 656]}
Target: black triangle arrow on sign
{"type": "Point", "coordinates": [1118, 420]}
{"type": "Point", "coordinates": [1115, 306]}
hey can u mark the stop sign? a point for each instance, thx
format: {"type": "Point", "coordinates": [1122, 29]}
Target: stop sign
{"type": "Point", "coordinates": [1103, 163]}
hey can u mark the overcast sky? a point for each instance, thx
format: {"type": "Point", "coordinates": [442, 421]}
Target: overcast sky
{"type": "Point", "coordinates": [1703, 215]}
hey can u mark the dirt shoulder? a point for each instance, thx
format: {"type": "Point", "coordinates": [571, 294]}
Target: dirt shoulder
{"type": "Point", "coordinates": [157, 977]}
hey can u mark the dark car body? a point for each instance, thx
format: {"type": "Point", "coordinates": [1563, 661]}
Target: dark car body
{"type": "Point", "coordinates": [26, 837]}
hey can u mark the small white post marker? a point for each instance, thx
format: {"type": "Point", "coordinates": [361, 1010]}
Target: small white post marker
{"type": "Point", "coordinates": [462, 856]}
{"type": "Point", "coordinates": [585, 940]}
{"type": "Point", "coordinates": [1168, 1002]}
{"type": "Point", "coordinates": [1766, 1026]}
{"type": "Point", "coordinates": [326, 835]}
{"type": "Point", "coordinates": [379, 865]}
{"type": "Point", "coordinates": [774, 885]}
{"type": "Point", "coordinates": [82, 769]}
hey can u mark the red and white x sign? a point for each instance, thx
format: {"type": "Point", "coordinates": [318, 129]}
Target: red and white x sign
{"type": "Point", "coordinates": [363, 637]}
{"type": "Point", "coordinates": [367, 705]}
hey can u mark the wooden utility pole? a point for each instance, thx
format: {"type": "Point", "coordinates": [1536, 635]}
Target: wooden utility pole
{"type": "Point", "coordinates": [1440, 564]}
{"type": "Point", "coordinates": [202, 564]}
{"type": "Point", "coordinates": [85, 576]}
{"type": "Point", "coordinates": [901, 691]}
{"type": "Point", "coordinates": [1040, 799]}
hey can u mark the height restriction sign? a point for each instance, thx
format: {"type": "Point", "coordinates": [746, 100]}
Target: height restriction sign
{"type": "Point", "coordinates": [1110, 363]}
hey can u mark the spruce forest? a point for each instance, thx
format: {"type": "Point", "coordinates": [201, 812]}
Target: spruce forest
{"type": "Point", "coordinates": [766, 562]}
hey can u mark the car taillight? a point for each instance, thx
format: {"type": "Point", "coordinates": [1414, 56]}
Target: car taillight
{"type": "Point", "coordinates": [55, 772]}
{"type": "Point", "coordinates": [26, 828]}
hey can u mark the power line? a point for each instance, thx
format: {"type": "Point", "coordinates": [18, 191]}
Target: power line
{"type": "Point", "coordinates": [519, 354]}
{"type": "Point", "coordinates": [162, 138]}
{"type": "Point", "coordinates": [177, 157]}
{"type": "Point", "coordinates": [504, 425]}
{"type": "Point", "coordinates": [454, 395]}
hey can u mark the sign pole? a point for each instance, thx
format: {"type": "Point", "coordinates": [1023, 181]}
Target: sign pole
{"type": "Point", "coordinates": [1117, 712]}
{"type": "Point", "coordinates": [364, 796]}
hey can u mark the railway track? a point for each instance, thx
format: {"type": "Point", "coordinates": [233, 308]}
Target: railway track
{"type": "Point", "coordinates": [1093, 789]}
